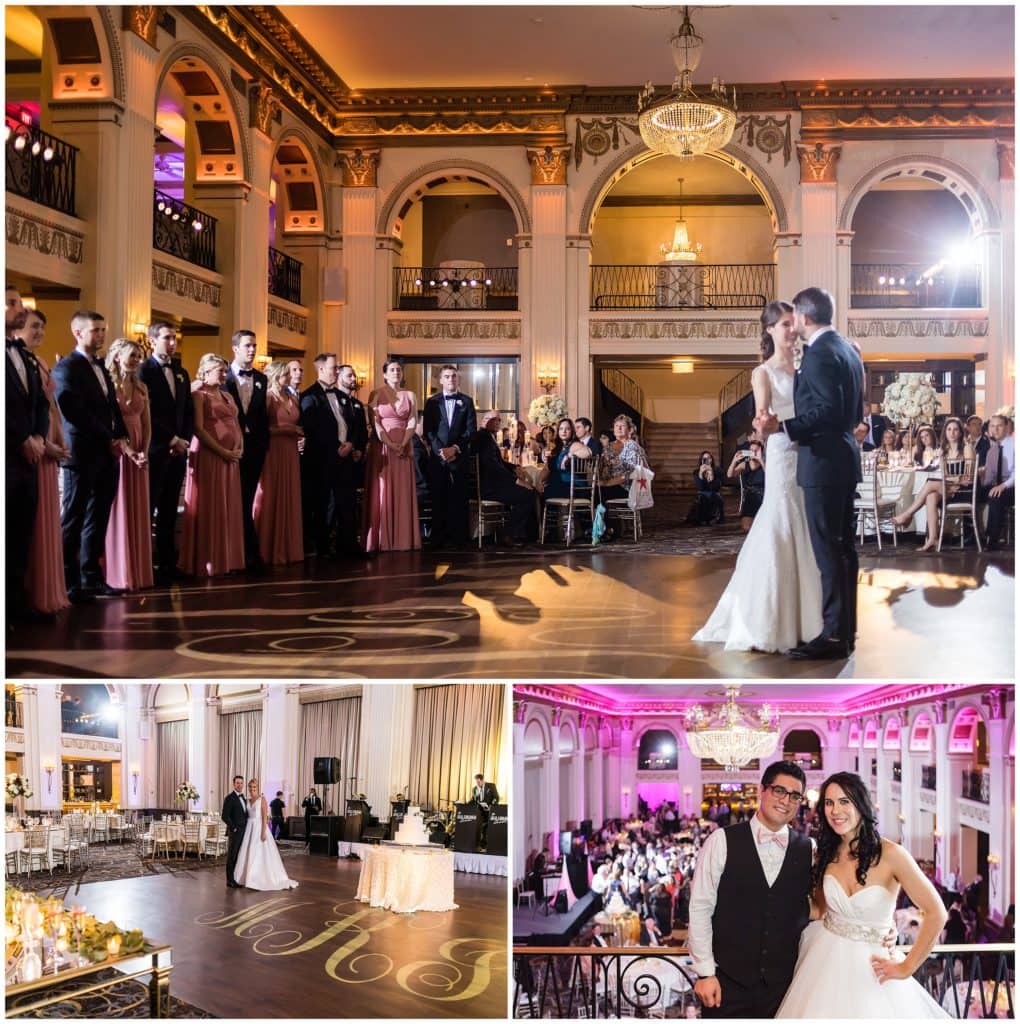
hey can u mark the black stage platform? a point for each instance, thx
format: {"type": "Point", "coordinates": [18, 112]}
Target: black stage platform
{"type": "Point", "coordinates": [532, 927]}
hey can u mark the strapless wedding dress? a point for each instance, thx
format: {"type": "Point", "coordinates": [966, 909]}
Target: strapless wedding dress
{"type": "Point", "coordinates": [259, 865]}
{"type": "Point", "coordinates": [774, 598]}
{"type": "Point", "coordinates": [834, 978]}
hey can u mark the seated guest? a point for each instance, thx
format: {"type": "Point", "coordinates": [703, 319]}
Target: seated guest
{"type": "Point", "coordinates": [514, 440]}
{"type": "Point", "coordinates": [604, 439]}
{"type": "Point", "coordinates": [620, 458]}
{"type": "Point", "coordinates": [978, 438]}
{"type": "Point", "coordinates": [890, 442]}
{"type": "Point", "coordinates": [543, 443]}
{"type": "Point", "coordinates": [926, 449]}
{"type": "Point", "coordinates": [650, 933]}
{"type": "Point", "coordinates": [877, 425]}
{"type": "Point", "coordinates": [535, 880]}
{"type": "Point", "coordinates": [1000, 476]}
{"type": "Point", "coordinates": [557, 481]}
{"type": "Point", "coordinates": [708, 482]}
{"type": "Point", "coordinates": [600, 880]}
{"type": "Point", "coordinates": [749, 466]}
{"type": "Point", "coordinates": [862, 437]}
{"type": "Point", "coordinates": [582, 428]}
{"type": "Point", "coordinates": [501, 481]}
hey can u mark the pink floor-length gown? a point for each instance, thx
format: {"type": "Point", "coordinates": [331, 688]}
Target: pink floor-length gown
{"type": "Point", "coordinates": [212, 534]}
{"type": "Point", "coordinates": [391, 498]}
{"type": "Point", "coordinates": [46, 589]}
{"type": "Point", "coordinates": [129, 532]}
{"type": "Point", "coordinates": [278, 498]}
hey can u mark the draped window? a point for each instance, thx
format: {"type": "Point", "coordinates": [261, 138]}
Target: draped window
{"type": "Point", "coordinates": [457, 732]}
{"type": "Point", "coordinates": [171, 760]}
{"type": "Point", "coordinates": [329, 728]}
{"type": "Point", "coordinates": [240, 747]}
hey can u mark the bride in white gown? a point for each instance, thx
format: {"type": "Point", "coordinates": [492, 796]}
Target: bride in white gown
{"type": "Point", "coordinates": [843, 969]}
{"type": "Point", "coordinates": [258, 862]}
{"type": "Point", "coordinates": [773, 601]}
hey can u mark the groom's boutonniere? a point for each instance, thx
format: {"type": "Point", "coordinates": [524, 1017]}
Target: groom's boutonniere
{"type": "Point", "coordinates": [459, 403]}
{"type": "Point", "coordinates": [258, 385]}
{"type": "Point", "coordinates": [798, 356]}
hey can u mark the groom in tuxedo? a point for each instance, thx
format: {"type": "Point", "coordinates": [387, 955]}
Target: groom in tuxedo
{"type": "Point", "coordinates": [827, 397]}
{"type": "Point", "coordinates": [235, 815]}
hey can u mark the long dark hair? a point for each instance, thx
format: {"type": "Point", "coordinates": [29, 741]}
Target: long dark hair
{"type": "Point", "coordinates": [770, 316]}
{"type": "Point", "coordinates": [865, 848]}
{"type": "Point", "coordinates": [944, 445]}
{"type": "Point", "coordinates": [558, 444]}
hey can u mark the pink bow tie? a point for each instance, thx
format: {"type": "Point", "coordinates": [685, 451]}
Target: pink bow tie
{"type": "Point", "coordinates": [778, 838]}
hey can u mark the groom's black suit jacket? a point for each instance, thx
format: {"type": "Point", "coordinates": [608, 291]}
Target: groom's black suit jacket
{"type": "Point", "coordinates": [234, 812]}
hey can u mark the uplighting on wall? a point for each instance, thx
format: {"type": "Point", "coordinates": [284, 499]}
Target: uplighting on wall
{"type": "Point", "coordinates": [683, 366]}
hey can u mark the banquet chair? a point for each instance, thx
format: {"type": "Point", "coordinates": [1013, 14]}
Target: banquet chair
{"type": "Point", "coordinates": [486, 516]}
{"type": "Point", "coordinates": [100, 828]}
{"type": "Point", "coordinates": [78, 839]}
{"type": "Point", "coordinates": [216, 840]}
{"type": "Point", "coordinates": [192, 837]}
{"type": "Point", "coordinates": [581, 498]}
{"type": "Point", "coordinates": [115, 825]}
{"type": "Point", "coordinates": [876, 499]}
{"type": "Point", "coordinates": [161, 837]}
{"type": "Point", "coordinates": [37, 849]}
{"type": "Point", "coordinates": [523, 895]}
{"type": "Point", "coordinates": [959, 498]}
{"type": "Point", "coordinates": [618, 509]}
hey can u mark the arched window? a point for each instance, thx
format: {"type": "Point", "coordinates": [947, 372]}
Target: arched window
{"type": "Point", "coordinates": [85, 708]}
{"type": "Point", "coordinates": [657, 751]}
{"type": "Point", "coordinates": [803, 747]}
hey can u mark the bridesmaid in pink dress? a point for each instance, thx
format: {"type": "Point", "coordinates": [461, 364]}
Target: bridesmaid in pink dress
{"type": "Point", "coordinates": [391, 498]}
{"type": "Point", "coordinates": [212, 540]}
{"type": "Point", "coordinates": [278, 498]}
{"type": "Point", "coordinates": [45, 586]}
{"type": "Point", "coordinates": [129, 533]}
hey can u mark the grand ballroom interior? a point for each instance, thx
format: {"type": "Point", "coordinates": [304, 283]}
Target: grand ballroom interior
{"type": "Point", "coordinates": [605, 769]}
{"type": "Point", "coordinates": [116, 902]}
{"type": "Point", "coordinates": [485, 187]}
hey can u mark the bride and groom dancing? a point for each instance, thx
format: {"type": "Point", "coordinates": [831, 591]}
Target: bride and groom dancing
{"type": "Point", "coordinates": [779, 928]}
{"type": "Point", "coordinates": [794, 587]}
{"type": "Point", "coordinates": [253, 861]}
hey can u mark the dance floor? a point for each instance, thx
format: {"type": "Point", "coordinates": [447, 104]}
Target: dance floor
{"type": "Point", "coordinates": [314, 951]}
{"type": "Point", "coordinates": [621, 611]}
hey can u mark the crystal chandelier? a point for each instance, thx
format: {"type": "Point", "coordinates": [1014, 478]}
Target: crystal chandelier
{"type": "Point", "coordinates": [681, 251]}
{"type": "Point", "coordinates": [682, 123]}
{"type": "Point", "coordinates": [727, 736]}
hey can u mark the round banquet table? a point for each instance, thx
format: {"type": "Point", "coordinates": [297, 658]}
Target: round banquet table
{"type": "Point", "coordinates": [56, 839]}
{"type": "Point", "coordinates": [175, 832]}
{"type": "Point", "coordinates": [407, 879]}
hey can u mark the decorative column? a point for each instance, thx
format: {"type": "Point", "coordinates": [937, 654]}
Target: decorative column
{"type": "Point", "coordinates": [835, 751]}
{"type": "Point", "coordinates": [598, 810]}
{"type": "Point", "coordinates": [147, 736]}
{"type": "Point", "coordinates": [910, 786]}
{"type": "Point", "coordinates": [216, 788]}
{"type": "Point", "coordinates": [548, 271]}
{"type": "Point", "coordinates": [1001, 839]}
{"type": "Point", "coordinates": [789, 259]}
{"type": "Point", "coordinates": [384, 750]}
{"type": "Point", "coordinates": [628, 769]}
{"type": "Point", "coordinates": [998, 268]}
{"type": "Point", "coordinates": [360, 344]}
{"type": "Point", "coordinates": [948, 789]}
{"type": "Point", "coordinates": [281, 714]}
{"type": "Point", "coordinates": [614, 798]}
{"type": "Point", "coordinates": [552, 813]}
{"type": "Point", "coordinates": [577, 386]}
{"type": "Point", "coordinates": [689, 772]}
{"type": "Point", "coordinates": [520, 799]}
{"type": "Point", "coordinates": [577, 774]}
{"type": "Point", "coordinates": [132, 754]}
{"type": "Point", "coordinates": [887, 823]}
{"type": "Point", "coordinates": [818, 219]}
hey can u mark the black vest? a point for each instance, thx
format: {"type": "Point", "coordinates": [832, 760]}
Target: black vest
{"type": "Point", "coordinates": [755, 929]}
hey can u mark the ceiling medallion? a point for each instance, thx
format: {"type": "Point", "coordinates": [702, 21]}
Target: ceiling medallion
{"type": "Point", "coordinates": [729, 737]}
{"type": "Point", "coordinates": [681, 123]}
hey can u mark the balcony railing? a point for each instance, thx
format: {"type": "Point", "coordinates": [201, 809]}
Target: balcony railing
{"type": "Point", "coordinates": [183, 231]}
{"type": "Point", "coordinates": [40, 166]}
{"type": "Point", "coordinates": [928, 776]}
{"type": "Point", "coordinates": [14, 714]}
{"type": "Point", "coordinates": [682, 286]}
{"type": "Point", "coordinates": [977, 786]}
{"type": "Point", "coordinates": [448, 289]}
{"type": "Point", "coordinates": [636, 982]}
{"type": "Point", "coordinates": [914, 286]}
{"type": "Point", "coordinates": [284, 276]}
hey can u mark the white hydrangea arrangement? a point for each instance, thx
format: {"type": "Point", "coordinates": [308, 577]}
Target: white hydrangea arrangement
{"type": "Point", "coordinates": [547, 410]}
{"type": "Point", "coordinates": [186, 791]}
{"type": "Point", "coordinates": [910, 398]}
{"type": "Point", "coordinates": [18, 785]}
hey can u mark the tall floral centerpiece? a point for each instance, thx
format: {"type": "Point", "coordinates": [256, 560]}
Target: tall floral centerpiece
{"type": "Point", "coordinates": [18, 789]}
{"type": "Point", "coordinates": [186, 793]}
{"type": "Point", "coordinates": [547, 410]}
{"type": "Point", "coordinates": [910, 400]}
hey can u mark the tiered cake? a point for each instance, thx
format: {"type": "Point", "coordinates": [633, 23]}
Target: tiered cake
{"type": "Point", "coordinates": [412, 829]}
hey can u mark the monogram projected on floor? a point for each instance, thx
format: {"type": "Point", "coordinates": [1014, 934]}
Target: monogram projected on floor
{"type": "Point", "coordinates": [460, 969]}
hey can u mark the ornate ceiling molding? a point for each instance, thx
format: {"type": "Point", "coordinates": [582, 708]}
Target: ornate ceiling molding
{"type": "Point", "coordinates": [934, 327]}
{"type": "Point", "coordinates": [142, 20]}
{"type": "Point", "coordinates": [454, 330]}
{"type": "Point", "coordinates": [673, 330]}
{"type": "Point", "coordinates": [359, 167]}
{"type": "Point", "coordinates": [46, 237]}
{"type": "Point", "coordinates": [818, 163]}
{"type": "Point", "coordinates": [549, 164]}
{"type": "Point", "coordinates": [1006, 152]}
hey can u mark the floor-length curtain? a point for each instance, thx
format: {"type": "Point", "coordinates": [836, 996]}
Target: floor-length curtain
{"type": "Point", "coordinates": [171, 761]}
{"type": "Point", "coordinates": [457, 732]}
{"type": "Point", "coordinates": [329, 728]}
{"type": "Point", "coordinates": [240, 748]}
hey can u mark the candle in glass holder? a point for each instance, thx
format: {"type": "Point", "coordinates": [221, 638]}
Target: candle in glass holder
{"type": "Point", "coordinates": [113, 945]}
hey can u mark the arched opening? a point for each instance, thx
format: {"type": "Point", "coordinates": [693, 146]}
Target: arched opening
{"type": "Point", "coordinates": [870, 741]}
{"type": "Point", "coordinates": [657, 751]}
{"type": "Point", "coordinates": [891, 735]}
{"type": "Point", "coordinates": [803, 747]}
{"type": "Point", "coordinates": [86, 709]}
{"type": "Point", "coordinates": [968, 736]}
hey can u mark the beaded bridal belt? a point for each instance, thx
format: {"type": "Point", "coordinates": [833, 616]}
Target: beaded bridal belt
{"type": "Point", "coordinates": [851, 930]}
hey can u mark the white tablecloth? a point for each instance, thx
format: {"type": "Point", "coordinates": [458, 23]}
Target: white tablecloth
{"type": "Point", "coordinates": [406, 880]}
{"type": "Point", "coordinates": [175, 832]}
{"type": "Point", "coordinates": [481, 864]}
{"type": "Point", "coordinates": [14, 842]}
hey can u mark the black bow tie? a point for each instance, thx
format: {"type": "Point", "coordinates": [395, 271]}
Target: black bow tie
{"type": "Point", "coordinates": [15, 343]}
{"type": "Point", "coordinates": [332, 391]}
{"type": "Point", "coordinates": [96, 361]}
{"type": "Point", "coordinates": [165, 363]}
{"type": "Point", "coordinates": [245, 373]}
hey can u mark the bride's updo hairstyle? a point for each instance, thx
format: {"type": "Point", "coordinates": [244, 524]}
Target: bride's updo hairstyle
{"type": "Point", "coordinates": [770, 316]}
{"type": "Point", "coordinates": [865, 847]}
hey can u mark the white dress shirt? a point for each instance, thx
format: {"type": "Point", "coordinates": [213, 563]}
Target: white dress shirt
{"type": "Point", "coordinates": [97, 369]}
{"type": "Point", "coordinates": [244, 385]}
{"type": "Point", "coordinates": [450, 404]}
{"type": "Point", "coordinates": [1005, 450]}
{"type": "Point", "coordinates": [705, 887]}
{"type": "Point", "coordinates": [341, 423]}
{"type": "Point", "coordinates": [814, 337]}
{"type": "Point", "coordinates": [168, 373]}
{"type": "Point", "coordinates": [14, 355]}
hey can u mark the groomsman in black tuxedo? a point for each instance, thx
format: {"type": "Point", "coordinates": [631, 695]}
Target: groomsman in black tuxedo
{"type": "Point", "coordinates": [235, 816]}
{"type": "Point", "coordinates": [28, 417]}
{"type": "Point", "coordinates": [357, 420]}
{"type": "Point", "coordinates": [247, 386]}
{"type": "Point", "coordinates": [450, 423]}
{"type": "Point", "coordinates": [95, 434]}
{"type": "Point", "coordinates": [172, 417]}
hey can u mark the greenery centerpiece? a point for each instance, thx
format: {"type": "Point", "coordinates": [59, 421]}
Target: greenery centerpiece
{"type": "Point", "coordinates": [18, 789]}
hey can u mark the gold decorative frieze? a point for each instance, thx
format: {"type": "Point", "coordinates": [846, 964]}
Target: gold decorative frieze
{"type": "Point", "coordinates": [142, 21]}
{"type": "Point", "coordinates": [408, 128]}
{"type": "Point", "coordinates": [595, 138]}
{"type": "Point", "coordinates": [185, 286]}
{"type": "Point", "coordinates": [674, 330]}
{"type": "Point", "coordinates": [818, 163]}
{"type": "Point", "coordinates": [769, 135]}
{"type": "Point", "coordinates": [1006, 152]}
{"type": "Point", "coordinates": [549, 165]}
{"type": "Point", "coordinates": [90, 745]}
{"type": "Point", "coordinates": [935, 327]}
{"type": "Point", "coordinates": [44, 236]}
{"type": "Point", "coordinates": [263, 106]}
{"type": "Point", "coordinates": [454, 330]}
{"type": "Point", "coordinates": [287, 319]}
{"type": "Point", "coordinates": [359, 167]}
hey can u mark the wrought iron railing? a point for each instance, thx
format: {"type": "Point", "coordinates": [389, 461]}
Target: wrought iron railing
{"type": "Point", "coordinates": [284, 276]}
{"type": "Point", "coordinates": [625, 388]}
{"type": "Point", "coordinates": [40, 166]}
{"type": "Point", "coordinates": [977, 786]}
{"type": "Point", "coordinates": [928, 776]}
{"type": "Point", "coordinates": [14, 714]}
{"type": "Point", "coordinates": [914, 286]}
{"type": "Point", "coordinates": [630, 982]}
{"type": "Point", "coordinates": [183, 231]}
{"type": "Point", "coordinates": [734, 390]}
{"type": "Point", "coordinates": [682, 286]}
{"type": "Point", "coordinates": [448, 289]}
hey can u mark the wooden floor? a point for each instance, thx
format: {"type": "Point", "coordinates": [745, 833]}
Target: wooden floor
{"type": "Point", "coordinates": [537, 613]}
{"type": "Point", "coordinates": [313, 951]}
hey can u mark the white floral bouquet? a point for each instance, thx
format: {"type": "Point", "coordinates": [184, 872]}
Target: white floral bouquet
{"type": "Point", "coordinates": [547, 410]}
{"type": "Point", "coordinates": [18, 785]}
{"type": "Point", "coordinates": [186, 791]}
{"type": "Point", "coordinates": [910, 398]}
{"type": "Point", "coordinates": [1008, 411]}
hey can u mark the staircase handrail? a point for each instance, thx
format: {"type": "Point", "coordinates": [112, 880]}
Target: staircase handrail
{"type": "Point", "coordinates": [625, 388]}
{"type": "Point", "coordinates": [734, 390]}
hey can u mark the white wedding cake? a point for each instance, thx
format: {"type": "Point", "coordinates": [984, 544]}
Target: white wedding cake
{"type": "Point", "coordinates": [412, 829]}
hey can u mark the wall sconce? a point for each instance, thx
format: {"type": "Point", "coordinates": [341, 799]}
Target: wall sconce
{"type": "Point", "coordinates": [993, 871]}
{"type": "Point", "coordinates": [134, 782]}
{"type": "Point", "coordinates": [360, 378]}
{"type": "Point", "coordinates": [140, 331]}
{"type": "Point", "coordinates": [683, 365]}
{"type": "Point", "coordinates": [261, 362]}
{"type": "Point", "coordinates": [49, 769]}
{"type": "Point", "coordinates": [548, 379]}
